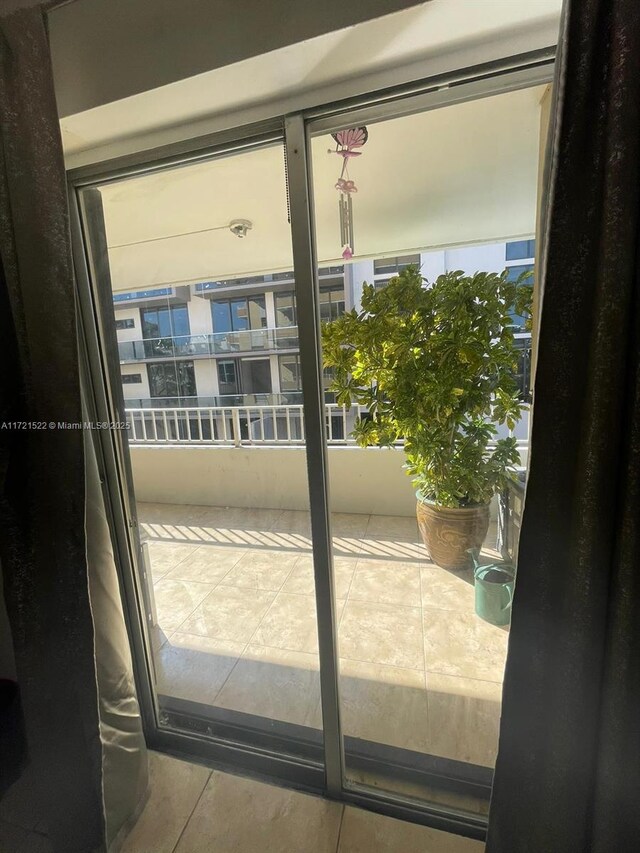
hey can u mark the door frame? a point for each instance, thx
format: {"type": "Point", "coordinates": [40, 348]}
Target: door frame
{"type": "Point", "coordinates": [326, 776]}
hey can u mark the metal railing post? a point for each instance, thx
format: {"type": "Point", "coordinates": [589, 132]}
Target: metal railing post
{"type": "Point", "coordinates": [235, 426]}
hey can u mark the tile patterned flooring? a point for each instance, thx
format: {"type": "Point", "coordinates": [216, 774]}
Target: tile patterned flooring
{"type": "Point", "coordinates": [237, 626]}
{"type": "Point", "coordinates": [194, 810]}
{"type": "Point", "coordinates": [191, 809]}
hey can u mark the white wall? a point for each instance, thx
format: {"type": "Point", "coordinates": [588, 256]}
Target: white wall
{"type": "Point", "coordinates": [128, 313]}
{"type": "Point", "coordinates": [200, 319]}
{"type": "Point", "coordinates": [361, 481]}
{"type": "Point", "coordinates": [489, 257]}
{"type": "Point", "coordinates": [356, 274]}
{"type": "Point", "coordinates": [206, 374]}
{"type": "Point", "coordinates": [137, 389]}
{"type": "Point", "coordinates": [486, 258]}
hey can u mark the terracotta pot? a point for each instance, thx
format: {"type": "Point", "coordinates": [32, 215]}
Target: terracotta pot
{"type": "Point", "coordinates": [449, 532]}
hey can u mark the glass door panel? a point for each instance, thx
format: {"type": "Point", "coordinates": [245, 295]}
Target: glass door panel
{"type": "Point", "coordinates": [218, 464]}
{"type": "Point", "coordinates": [420, 196]}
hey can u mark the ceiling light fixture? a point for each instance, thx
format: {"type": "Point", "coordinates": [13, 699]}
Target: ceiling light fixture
{"type": "Point", "coordinates": [240, 227]}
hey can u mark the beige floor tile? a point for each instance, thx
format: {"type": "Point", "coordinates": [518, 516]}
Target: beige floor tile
{"type": "Point", "coordinates": [195, 668]}
{"type": "Point", "coordinates": [462, 644]}
{"type": "Point", "coordinates": [155, 513]}
{"type": "Point", "coordinates": [237, 815]}
{"type": "Point", "coordinates": [301, 579]}
{"type": "Point", "coordinates": [263, 569]}
{"type": "Point", "coordinates": [366, 832]}
{"type": "Point", "coordinates": [392, 527]}
{"type": "Point", "coordinates": [447, 590]}
{"type": "Point", "coordinates": [209, 564]}
{"type": "Point", "coordinates": [164, 556]}
{"type": "Point", "coordinates": [176, 600]}
{"type": "Point", "coordinates": [289, 624]}
{"type": "Point", "coordinates": [275, 683]}
{"type": "Point", "coordinates": [464, 718]}
{"type": "Point", "coordinates": [229, 613]}
{"type": "Point", "coordinates": [386, 582]}
{"type": "Point", "coordinates": [255, 518]}
{"type": "Point", "coordinates": [382, 633]}
{"type": "Point", "coordinates": [384, 704]}
{"type": "Point", "coordinates": [175, 787]}
{"type": "Point", "coordinates": [348, 524]}
{"type": "Point", "coordinates": [293, 521]}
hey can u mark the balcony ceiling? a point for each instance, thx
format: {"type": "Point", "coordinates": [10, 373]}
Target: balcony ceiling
{"type": "Point", "coordinates": [461, 174]}
{"type": "Point", "coordinates": [96, 56]}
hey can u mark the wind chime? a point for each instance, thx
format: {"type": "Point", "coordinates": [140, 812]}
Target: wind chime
{"type": "Point", "coordinates": [346, 143]}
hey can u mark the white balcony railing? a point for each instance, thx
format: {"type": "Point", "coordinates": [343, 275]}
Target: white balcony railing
{"type": "Point", "coordinates": [235, 425]}
{"type": "Point", "coordinates": [248, 425]}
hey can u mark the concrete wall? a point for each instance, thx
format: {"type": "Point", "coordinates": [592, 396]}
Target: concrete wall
{"type": "Point", "coordinates": [370, 481]}
{"type": "Point", "coordinates": [206, 374]}
{"type": "Point", "coordinates": [128, 313]}
{"type": "Point", "coordinates": [135, 390]}
{"type": "Point", "coordinates": [361, 481]}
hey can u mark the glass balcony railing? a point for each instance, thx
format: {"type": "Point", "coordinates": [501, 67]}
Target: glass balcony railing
{"type": "Point", "coordinates": [290, 398]}
{"type": "Point", "coordinates": [219, 343]}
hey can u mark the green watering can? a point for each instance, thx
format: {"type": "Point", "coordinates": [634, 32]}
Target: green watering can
{"type": "Point", "coordinates": [494, 590]}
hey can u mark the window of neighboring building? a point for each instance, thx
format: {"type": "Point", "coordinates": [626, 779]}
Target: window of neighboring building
{"type": "Point", "coordinates": [227, 371]}
{"type": "Point", "coordinates": [523, 370]}
{"type": "Point", "coordinates": [332, 305]}
{"type": "Point", "coordinates": [285, 304]}
{"type": "Point", "coordinates": [167, 322]}
{"type": "Point", "coordinates": [521, 250]}
{"type": "Point", "coordinates": [142, 294]}
{"type": "Point", "coordinates": [172, 379]}
{"type": "Point", "coordinates": [228, 378]}
{"type": "Point", "coordinates": [290, 376]}
{"type": "Point", "coordinates": [513, 273]}
{"type": "Point", "coordinates": [394, 265]}
{"type": "Point", "coordinates": [131, 378]}
{"type": "Point", "coordinates": [238, 315]}
{"type": "Point", "coordinates": [129, 323]}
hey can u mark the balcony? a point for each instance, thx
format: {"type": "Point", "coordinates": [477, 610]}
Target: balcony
{"type": "Point", "coordinates": [217, 344]}
{"type": "Point", "coordinates": [235, 627]}
{"type": "Point", "coordinates": [227, 552]}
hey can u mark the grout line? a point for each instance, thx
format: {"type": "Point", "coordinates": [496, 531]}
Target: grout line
{"type": "Point", "coordinates": [197, 802]}
{"type": "Point", "coordinates": [340, 828]}
{"type": "Point", "coordinates": [424, 658]}
{"type": "Point", "coordinates": [231, 671]}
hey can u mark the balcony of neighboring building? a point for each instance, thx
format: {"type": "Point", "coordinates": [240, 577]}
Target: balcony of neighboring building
{"type": "Point", "coordinates": [214, 345]}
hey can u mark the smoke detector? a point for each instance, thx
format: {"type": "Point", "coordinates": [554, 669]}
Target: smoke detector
{"type": "Point", "coordinates": [240, 227]}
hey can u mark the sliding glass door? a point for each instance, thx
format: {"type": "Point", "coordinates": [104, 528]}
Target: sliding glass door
{"type": "Point", "coordinates": [251, 310]}
{"type": "Point", "coordinates": [428, 211]}
{"type": "Point", "coordinates": [218, 471]}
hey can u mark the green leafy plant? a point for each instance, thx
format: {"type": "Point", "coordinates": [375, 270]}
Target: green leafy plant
{"type": "Point", "coordinates": [434, 365]}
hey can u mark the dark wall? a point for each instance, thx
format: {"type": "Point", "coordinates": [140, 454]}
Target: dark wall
{"type": "Point", "coordinates": [104, 50]}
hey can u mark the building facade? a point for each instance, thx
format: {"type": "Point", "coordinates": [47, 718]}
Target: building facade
{"type": "Point", "coordinates": [235, 342]}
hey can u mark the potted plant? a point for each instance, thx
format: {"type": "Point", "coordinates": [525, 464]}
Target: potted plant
{"type": "Point", "coordinates": [433, 363]}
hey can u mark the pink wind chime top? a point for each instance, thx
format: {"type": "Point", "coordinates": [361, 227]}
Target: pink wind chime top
{"type": "Point", "coordinates": [347, 141]}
